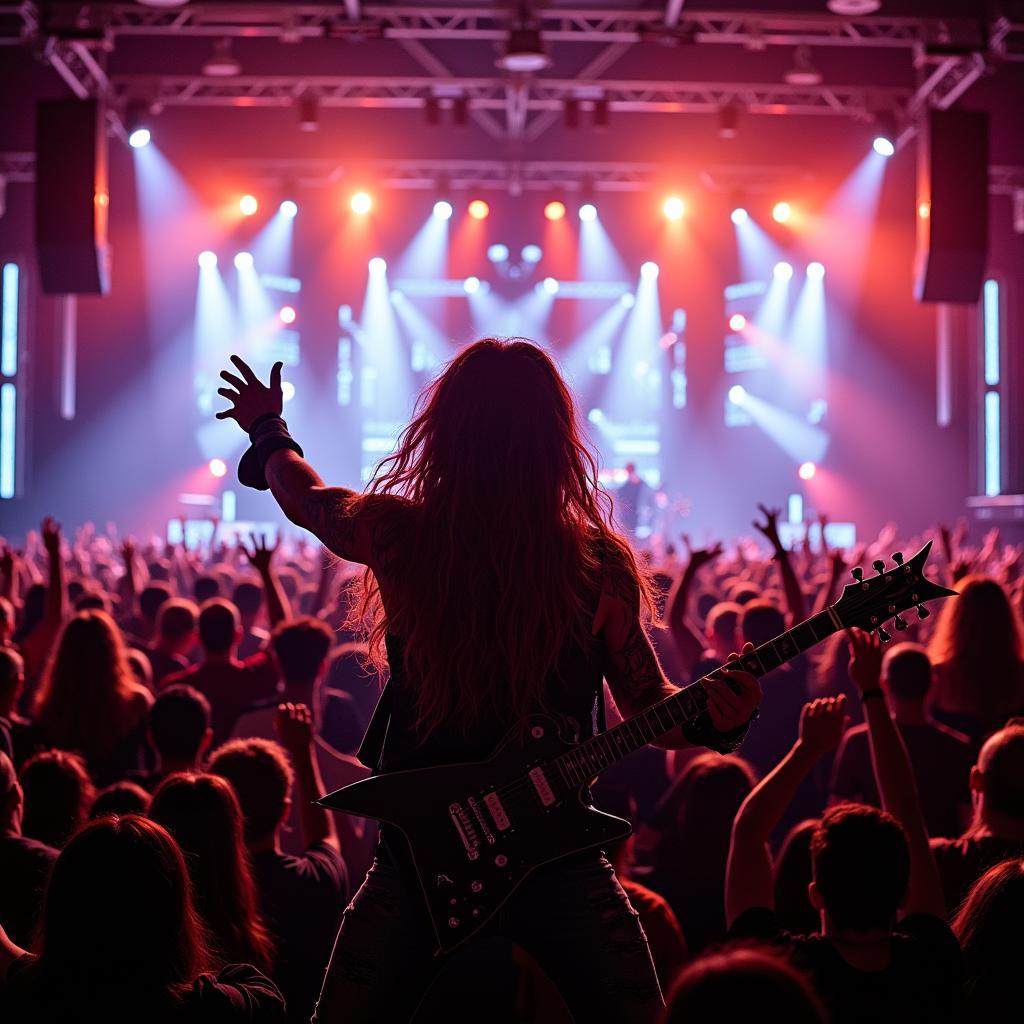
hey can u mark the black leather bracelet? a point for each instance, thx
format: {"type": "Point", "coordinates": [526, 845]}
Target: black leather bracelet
{"type": "Point", "coordinates": [260, 420]}
{"type": "Point", "coordinates": [875, 693]}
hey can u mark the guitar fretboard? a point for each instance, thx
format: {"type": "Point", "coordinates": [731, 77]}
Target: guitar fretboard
{"type": "Point", "coordinates": [592, 756]}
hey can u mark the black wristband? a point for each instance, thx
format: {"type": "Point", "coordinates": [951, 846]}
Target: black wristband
{"type": "Point", "coordinates": [273, 437]}
{"type": "Point", "coordinates": [875, 693]}
{"type": "Point", "coordinates": [260, 420]}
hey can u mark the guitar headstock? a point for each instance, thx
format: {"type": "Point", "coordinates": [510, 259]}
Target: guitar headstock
{"type": "Point", "coordinates": [869, 602]}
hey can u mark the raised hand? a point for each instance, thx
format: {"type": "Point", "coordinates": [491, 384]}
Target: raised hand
{"type": "Point", "coordinates": [770, 526]}
{"type": "Point", "coordinates": [822, 723]}
{"type": "Point", "coordinates": [701, 556]}
{"type": "Point", "coordinates": [294, 726]}
{"type": "Point", "coordinates": [733, 695]}
{"type": "Point", "coordinates": [261, 553]}
{"type": "Point", "coordinates": [51, 535]}
{"type": "Point", "coordinates": [251, 399]}
{"type": "Point", "coordinates": [127, 549]}
{"type": "Point", "coordinates": [865, 659]}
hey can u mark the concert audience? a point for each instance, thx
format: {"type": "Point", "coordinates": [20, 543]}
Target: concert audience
{"type": "Point", "coordinates": [121, 942]}
{"type": "Point", "coordinates": [826, 894]}
{"type": "Point", "coordinates": [941, 757]}
{"type": "Point", "coordinates": [301, 897]}
{"type": "Point", "coordinates": [202, 813]}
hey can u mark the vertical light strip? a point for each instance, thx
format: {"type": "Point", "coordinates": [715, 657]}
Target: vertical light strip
{"type": "Point", "coordinates": [68, 355]}
{"type": "Point", "coordinates": [228, 506]}
{"type": "Point", "coordinates": [8, 425]}
{"type": "Point", "coordinates": [943, 365]}
{"type": "Point", "coordinates": [992, 328]}
{"type": "Point", "coordinates": [9, 320]}
{"type": "Point", "coordinates": [993, 457]}
{"type": "Point", "coordinates": [796, 508]}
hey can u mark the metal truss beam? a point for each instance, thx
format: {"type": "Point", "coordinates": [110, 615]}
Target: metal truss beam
{"type": "Point", "coordinates": [491, 94]}
{"type": "Point", "coordinates": [292, 22]}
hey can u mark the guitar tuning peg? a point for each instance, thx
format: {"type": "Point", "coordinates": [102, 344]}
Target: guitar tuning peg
{"type": "Point", "coordinates": [897, 557]}
{"type": "Point", "coordinates": [883, 635]}
{"type": "Point", "coordinates": [857, 574]}
{"type": "Point", "coordinates": [899, 623]}
{"type": "Point", "coordinates": [878, 565]}
{"type": "Point", "coordinates": [922, 612]}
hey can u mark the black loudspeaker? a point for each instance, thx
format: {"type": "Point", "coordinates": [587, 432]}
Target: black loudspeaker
{"type": "Point", "coordinates": [952, 206]}
{"type": "Point", "coordinates": [72, 201]}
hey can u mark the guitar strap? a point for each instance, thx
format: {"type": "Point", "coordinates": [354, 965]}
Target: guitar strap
{"type": "Point", "coordinates": [372, 746]}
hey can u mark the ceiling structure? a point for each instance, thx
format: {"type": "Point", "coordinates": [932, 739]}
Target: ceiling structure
{"type": "Point", "coordinates": [442, 59]}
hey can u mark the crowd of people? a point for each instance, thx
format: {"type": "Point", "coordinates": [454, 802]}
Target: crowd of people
{"type": "Point", "coordinates": [169, 717]}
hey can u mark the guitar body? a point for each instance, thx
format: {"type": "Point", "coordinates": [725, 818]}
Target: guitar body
{"type": "Point", "coordinates": [475, 831]}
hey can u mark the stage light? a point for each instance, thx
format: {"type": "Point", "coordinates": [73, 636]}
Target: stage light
{"type": "Point", "coordinates": [287, 390]}
{"type": "Point", "coordinates": [588, 212]}
{"type": "Point", "coordinates": [555, 210]}
{"type": "Point", "coordinates": [243, 260]}
{"type": "Point", "coordinates": [397, 296]}
{"type": "Point", "coordinates": [288, 209]}
{"type": "Point", "coordinates": [248, 205]}
{"type": "Point", "coordinates": [217, 467]}
{"type": "Point", "coordinates": [782, 271]}
{"type": "Point", "coordinates": [924, 210]}
{"type": "Point", "coordinates": [207, 259]}
{"type": "Point", "coordinates": [471, 285]}
{"type": "Point", "coordinates": [550, 285]}
{"type": "Point", "coordinates": [807, 470]}
{"type": "Point", "coordinates": [628, 299]}
{"type": "Point", "coordinates": [737, 393]}
{"type": "Point", "coordinates": [781, 212]}
{"type": "Point", "coordinates": [739, 216]}
{"type": "Point", "coordinates": [497, 253]}
{"type": "Point", "coordinates": [650, 270]}
{"type": "Point", "coordinates": [139, 137]}
{"type": "Point", "coordinates": [883, 146]}
{"type": "Point", "coordinates": [478, 209]}
{"type": "Point", "coordinates": [737, 322]}
{"type": "Point", "coordinates": [673, 208]}
{"type": "Point", "coordinates": [361, 203]}
{"type": "Point", "coordinates": [531, 254]}
{"type": "Point", "coordinates": [377, 265]}
{"type": "Point", "coordinates": [286, 314]}
{"type": "Point", "coordinates": [443, 210]}
{"type": "Point", "coordinates": [815, 270]}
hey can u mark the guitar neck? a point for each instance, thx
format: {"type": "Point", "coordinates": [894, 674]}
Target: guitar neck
{"type": "Point", "coordinates": [599, 752]}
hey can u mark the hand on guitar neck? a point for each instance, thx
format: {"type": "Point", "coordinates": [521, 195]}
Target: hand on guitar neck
{"type": "Point", "coordinates": [733, 695]}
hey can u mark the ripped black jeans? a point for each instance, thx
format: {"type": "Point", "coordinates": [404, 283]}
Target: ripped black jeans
{"type": "Point", "coordinates": [572, 917]}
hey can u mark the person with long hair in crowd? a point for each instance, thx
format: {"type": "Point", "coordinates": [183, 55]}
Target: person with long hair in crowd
{"type": "Point", "coordinates": [498, 586]}
{"type": "Point", "coordinates": [88, 700]}
{"type": "Point", "coordinates": [203, 815]}
{"type": "Point", "coordinates": [120, 941]}
{"type": "Point", "coordinates": [977, 653]}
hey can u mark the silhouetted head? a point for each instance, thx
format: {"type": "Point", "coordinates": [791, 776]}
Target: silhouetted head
{"type": "Point", "coordinates": [760, 622]}
{"type": "Point", "coordinates": [861, 866]}
{"type": "Point", "coordinates": [120, 798]}
{"type": "Point", "coordinates": [58, 794]}
{"type": "Point", "coordinates": [998, 777]}
{"type": "Point", "coordinates": [261, 775]}
{"type": "Point", "coordinates": [220, 628]}
{"type": "Point", "coordinates": [301, 647]}
{"type": "Point", "coordinates": [743, 985]}
{"type": "Point", "coordinates": [179, 724]}
{"type": "Point", "coordinates": [907, 672]}
{"type": "Point", "coordinates": [152, 598]}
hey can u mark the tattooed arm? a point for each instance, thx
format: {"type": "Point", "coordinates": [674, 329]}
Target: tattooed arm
{"type": "Point", "coordinates": [637, 681]}
{"type": "Point", "coordinates": [335, 515]}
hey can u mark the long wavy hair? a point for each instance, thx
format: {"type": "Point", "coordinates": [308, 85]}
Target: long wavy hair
{"type": "Point", "coordinates": [988, 927]}
{"type": "Point", "coordinates": [86, 700]}
{"type": "Point", "coordinates": [978, 639]}
{"type": "Point", "coordinates": [504, 534]}
{"type": "Point", "coordinates": [202, 813]}
{"type": "Point", "coordinates": [118, 921]}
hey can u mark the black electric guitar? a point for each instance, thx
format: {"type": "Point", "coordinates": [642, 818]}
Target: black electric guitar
{"type": "Point", "coordinates": [475, 831]}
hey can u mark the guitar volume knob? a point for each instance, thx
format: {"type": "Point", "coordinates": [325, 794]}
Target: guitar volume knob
{"type": "Point", "coordinates": [453, 922]}
{"type": "Point", "coordinates": [476, 885]}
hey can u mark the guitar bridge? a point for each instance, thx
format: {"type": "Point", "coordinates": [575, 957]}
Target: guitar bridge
{"type": "Point", "coordinates": [465, 829]}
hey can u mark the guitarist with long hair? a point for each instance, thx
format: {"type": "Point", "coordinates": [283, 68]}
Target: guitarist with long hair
{"type": "Point", "coordinates": [495, 587]}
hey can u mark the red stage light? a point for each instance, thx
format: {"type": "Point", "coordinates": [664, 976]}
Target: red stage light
{"type": "Point", "coordinates": [673, 208]}
{"type": "Point", "coordinates": [218, 467]}
{"type": "Point", "coordinates": [555, 210]}
{"type": "Point", "coordinates": [737, 322]}
{"type": "Point", "coordinates": [248, 205]}
{"type": "Point", "coordinates": [287, 315]}
{"type": "Point", "coordinates": [807, 470]}
{"type": "Point", "coordinates": [781, 212]}
{"type": "Point", "coordinates": [478, 209]}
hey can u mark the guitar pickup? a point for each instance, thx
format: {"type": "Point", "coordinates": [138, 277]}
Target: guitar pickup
{"type": "Point", "coordinates": [493, 803]}
{"type": "Point", "coordinates": [540, 783]}
{"type": "Point", "coordinates": [465, 830]}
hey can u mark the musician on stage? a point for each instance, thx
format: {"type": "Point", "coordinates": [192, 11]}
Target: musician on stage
{"type": "Point", "coordinates": [496, 587]}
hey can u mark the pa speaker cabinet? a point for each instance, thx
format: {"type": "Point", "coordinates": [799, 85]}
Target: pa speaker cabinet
{"type": "Point", "coordinates": [72, 199]}
{"type": "Point", "coordinates": [952, 206]}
